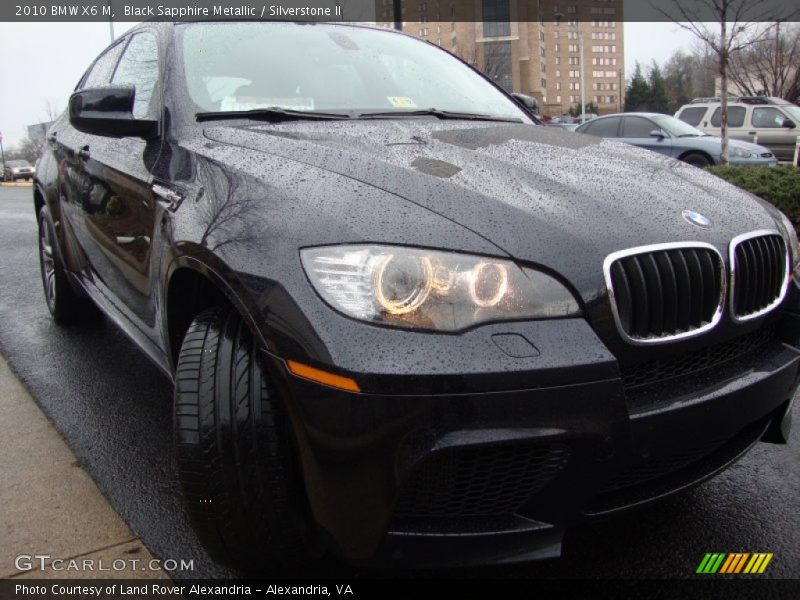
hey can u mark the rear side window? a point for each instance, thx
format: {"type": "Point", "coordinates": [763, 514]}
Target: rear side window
{"type": "Point", "coordinates": [768, 117]}
{"type": "Point", "coordinates": [100, 72]}
{"type": "Point", "coordinates": [139, 67]}
{"type": "Point", "coordinates": [692, 115]}
{"type": "Point", "coordinates": [637, 127]}
{"type": "Point", "coordinates": [603, 127]}
{"type": "Point", "coordinates": [735, 116]}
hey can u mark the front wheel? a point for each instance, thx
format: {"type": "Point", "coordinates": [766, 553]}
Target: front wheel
{"type": "Point", "coordinates": [696, 160]}
{"type": "Point", "coordinates": [237, 464]}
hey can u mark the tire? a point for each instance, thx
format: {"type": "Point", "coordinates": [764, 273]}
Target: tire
{"type": "Point", "coordinates": [64, 304]}
{"type": "Point", "coordinates": [696, 160]}
{"type": "Point", "coordinates": [237, 464]}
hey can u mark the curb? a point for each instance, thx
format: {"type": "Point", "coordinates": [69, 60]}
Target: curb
{"type": "Point", "coordinates": [52, 508]}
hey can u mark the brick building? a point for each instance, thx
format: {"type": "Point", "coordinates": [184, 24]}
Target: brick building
{"type": "Point", "coordinates": [529, 46]}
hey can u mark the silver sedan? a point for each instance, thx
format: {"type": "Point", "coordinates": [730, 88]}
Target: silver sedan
{"type": "Point", "coordinates": [671, 136]}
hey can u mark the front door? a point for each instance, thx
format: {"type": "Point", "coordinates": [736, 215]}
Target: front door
{"type": "Point", "coordinates": [637, 130]}
{"type": "Point", "coordinates": [118, 212]}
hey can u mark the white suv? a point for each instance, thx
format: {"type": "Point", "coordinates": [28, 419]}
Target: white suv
{"type": "Point", "coordinates": [772, 120]}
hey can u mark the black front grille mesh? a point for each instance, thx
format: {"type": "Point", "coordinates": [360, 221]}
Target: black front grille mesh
{"type": "Point", "coordinates": [759, 274]}
{"type": "Point", "coordinates": [690, 363]}
{"type": "Point", "coordinates": [666, 292]}
{"type": "Point", "coordinates": [479, 481]}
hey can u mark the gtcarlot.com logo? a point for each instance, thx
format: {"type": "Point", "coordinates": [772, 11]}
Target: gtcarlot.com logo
{"type": "Point", "coordinates": [734, 562]}
{"type": "Point", "coordinates": [44, 562]}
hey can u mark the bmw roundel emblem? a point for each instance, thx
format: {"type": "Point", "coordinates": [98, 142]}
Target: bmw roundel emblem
{"type": "Point", "coordinates": [695, 218]}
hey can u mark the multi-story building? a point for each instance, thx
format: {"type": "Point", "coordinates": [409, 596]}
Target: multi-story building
{"type": "Point", "coordinates": [529, 46]}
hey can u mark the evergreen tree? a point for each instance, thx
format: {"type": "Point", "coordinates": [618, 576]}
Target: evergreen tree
{"type": "Point", "coordinates": [657, 101]}
{"type": "Point", "coordinates": [637, 95]}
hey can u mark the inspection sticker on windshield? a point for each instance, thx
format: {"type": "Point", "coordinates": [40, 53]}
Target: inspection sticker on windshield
{"type": "Point", "coordinates": [401, 102]}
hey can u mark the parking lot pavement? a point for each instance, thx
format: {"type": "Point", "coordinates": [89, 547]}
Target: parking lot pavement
{"type": "Point", "coordinates": [51, 506]}
{"type": "Point", "coordinates": [113, 408]}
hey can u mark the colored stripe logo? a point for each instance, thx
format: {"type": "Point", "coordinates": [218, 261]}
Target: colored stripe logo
{"type": "Point", "coordinates": [734, 563]}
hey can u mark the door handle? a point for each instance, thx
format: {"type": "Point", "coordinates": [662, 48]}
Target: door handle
{"type": "Point", "coordinates": [52, 137]}
{"type": "Point", "coordinates": [751, 133]}
{"type": "Point", "coordinates": [84, 153]}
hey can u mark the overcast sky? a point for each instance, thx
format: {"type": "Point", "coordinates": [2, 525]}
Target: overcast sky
{"type": "Point", "coordinates": [47, 60]}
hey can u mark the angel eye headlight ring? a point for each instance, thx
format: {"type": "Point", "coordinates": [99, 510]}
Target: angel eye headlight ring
{"type": "Point", "coordinates": [389, 286]}
{"type": "Point", "coordinates": [488, 284]}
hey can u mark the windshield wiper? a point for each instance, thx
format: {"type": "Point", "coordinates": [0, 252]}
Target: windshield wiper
{"type": "Point", "coordinates": [271, 114]}
{"type": "Point", "coordinates": [435, 112]}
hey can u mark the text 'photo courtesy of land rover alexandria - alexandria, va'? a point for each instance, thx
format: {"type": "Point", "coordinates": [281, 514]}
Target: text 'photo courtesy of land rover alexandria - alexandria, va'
{"type": "Point", "coordinates": [406, 323]}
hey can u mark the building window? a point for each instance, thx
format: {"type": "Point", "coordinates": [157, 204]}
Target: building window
{"type": "Point", "coordinates": [496, 18]}
{"type": "Point", "coordinates": [497, 64]}
{"type": "Point", "coordinates": [544, 83]}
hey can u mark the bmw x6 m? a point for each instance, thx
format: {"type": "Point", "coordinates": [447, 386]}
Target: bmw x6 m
{"type": "Point", "coordinates": [406, 323]}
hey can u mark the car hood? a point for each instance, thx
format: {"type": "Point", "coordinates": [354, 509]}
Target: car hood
{"type": "Point", "coordinates": [714, 143]}
{"type": "Point", "coordinates": [542, 195]}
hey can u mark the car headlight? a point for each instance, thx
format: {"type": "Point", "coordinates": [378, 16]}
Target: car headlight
{"type": "Point", "coordinates": [791, 233]}
{"type": "Point", "coordinates": [429, 289]}
{"type": "Point", "coordinates": [742, 153]}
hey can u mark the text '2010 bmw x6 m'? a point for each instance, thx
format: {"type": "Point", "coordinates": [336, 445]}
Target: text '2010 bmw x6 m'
{"type": "Point", "coordinates": [405, 323]}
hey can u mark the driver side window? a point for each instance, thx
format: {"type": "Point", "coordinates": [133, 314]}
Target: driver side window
{"type": "Point", "coordinates": [139, 67]}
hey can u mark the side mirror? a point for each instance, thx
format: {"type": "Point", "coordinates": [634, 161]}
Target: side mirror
{"type": "Point", "coordinates": [789, 124]}
{"type": "Point", "coordinates": [658, 133]}
{"type": "Point", "coordinates": [108, 111]}
{"type": "Point", "coordinates": [530, 103]}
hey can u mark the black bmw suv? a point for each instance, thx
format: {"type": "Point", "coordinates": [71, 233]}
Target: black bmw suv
{"type": "Point", "coordinates": [405, 322]}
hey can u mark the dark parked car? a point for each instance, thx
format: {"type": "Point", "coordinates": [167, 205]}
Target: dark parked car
{"type": "Point", "coordinates": [670, 136]}
{"type": "Point", "coordinates": [18, 169]}
{"type": "Point", "coordinates": [404, 322]}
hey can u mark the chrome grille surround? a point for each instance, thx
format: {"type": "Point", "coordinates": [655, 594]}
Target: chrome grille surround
{"type": "Point", "coordinates": [737, 241]}
{"type": "Point", "coordinates": [656, 248]}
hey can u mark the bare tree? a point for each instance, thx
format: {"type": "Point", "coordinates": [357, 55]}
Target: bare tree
{"type": "Point", "coordinates": [727, 27]}
{"type": "Point", "coordinates": [770, 67]}
{"type": "Point", "coordinates": [486, 58]}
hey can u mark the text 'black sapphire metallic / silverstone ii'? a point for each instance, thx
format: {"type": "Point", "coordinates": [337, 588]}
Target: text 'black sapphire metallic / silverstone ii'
{"type": "Point", "coordinates": [405, 322]}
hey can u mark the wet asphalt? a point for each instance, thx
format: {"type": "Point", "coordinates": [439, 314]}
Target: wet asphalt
{"type": "Point", "coordinates": [113, 408]}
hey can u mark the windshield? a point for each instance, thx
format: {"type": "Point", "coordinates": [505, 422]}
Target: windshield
{"type": "Point", "coordinates": [794, 113]}
{"type": "Point", "coordinates": [676, 127]}
{"type": "Point", "coordinates": [18, 163]}
{"type": "Point", "coordinates": [327, 68]}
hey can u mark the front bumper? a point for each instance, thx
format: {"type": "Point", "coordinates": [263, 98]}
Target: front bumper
{"type": "Point", "coordinates": [446, 474]}
{"type": "Point", "coordinates": [753, 162]}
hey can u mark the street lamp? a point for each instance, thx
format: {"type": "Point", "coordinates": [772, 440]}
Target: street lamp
{"type": "Point", "coordinates": [558, 16]}
{"type": "Point", "coordinates": [110, 21]}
